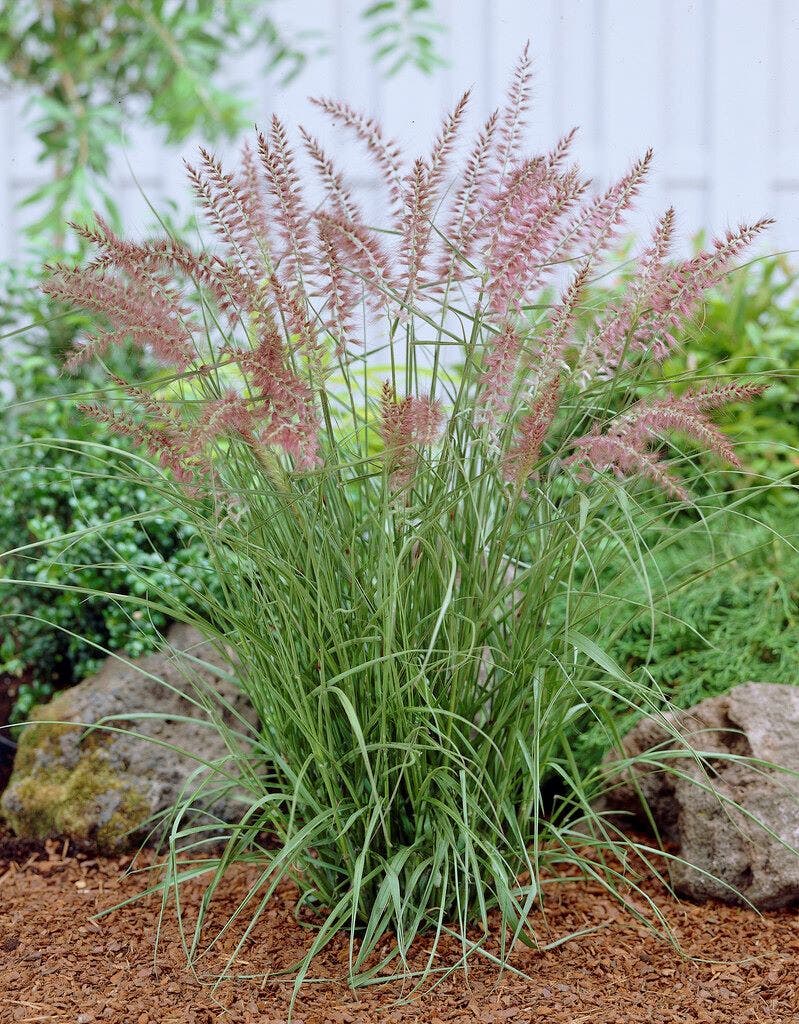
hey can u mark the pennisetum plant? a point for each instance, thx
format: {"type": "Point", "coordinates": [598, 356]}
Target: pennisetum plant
{"type": "Point", "coordinates": [390, 546]}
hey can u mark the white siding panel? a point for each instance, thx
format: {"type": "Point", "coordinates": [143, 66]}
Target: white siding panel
{"type": "Point", "coordinates": [709, 83]}
{"type": "Point", "coordinates": [741, 142]}
{"type": "Point", "coordinates": [631, 116]}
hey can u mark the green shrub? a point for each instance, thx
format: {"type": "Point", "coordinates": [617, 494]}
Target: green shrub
{"type": "Point", "coordinates": [708, 640]}
{"type": "Point", "coordinates": [61, 476]}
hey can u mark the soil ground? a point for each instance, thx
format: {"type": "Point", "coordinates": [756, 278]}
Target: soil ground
{"type": "Point", "coordinates": [59, 965]}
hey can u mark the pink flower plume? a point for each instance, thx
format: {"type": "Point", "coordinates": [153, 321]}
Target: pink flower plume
{"type": "Point", "coordinates": [625, 446]}
{"type": "Point", "coordinates": [406, 425]}
{"type": "Point", "coordinates": [531, 433]}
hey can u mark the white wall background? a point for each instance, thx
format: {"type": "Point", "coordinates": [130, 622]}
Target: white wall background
{"type": "Point", "coordinates": [711, 84]}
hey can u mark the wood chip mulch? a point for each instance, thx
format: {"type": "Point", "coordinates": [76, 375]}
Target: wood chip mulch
{"type": "Point", "coordinates": [58, 965]}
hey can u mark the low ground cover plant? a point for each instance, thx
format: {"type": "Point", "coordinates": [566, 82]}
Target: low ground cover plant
{"type": "Point", "coordinates": [696, 636]}
{"type": "Point", "coordinates": [707, 640]}
{"type": "Point", "coordinates": [414, 583]}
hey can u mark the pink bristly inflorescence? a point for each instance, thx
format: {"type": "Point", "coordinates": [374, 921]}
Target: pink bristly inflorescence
{"type": "Point", "coordinates": [626, 444]}
{"type": "Point", "coordinates": [290, 286]}
{"type": "Point", "coordinates": [406, 426]}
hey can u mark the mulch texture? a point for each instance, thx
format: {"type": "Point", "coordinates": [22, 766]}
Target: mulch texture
{"type": "Point", "coordinates": [58, 965]}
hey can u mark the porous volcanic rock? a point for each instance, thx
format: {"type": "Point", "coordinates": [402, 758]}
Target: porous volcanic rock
{"type": "Point", "coordinates": [103, 786]}
{"type": "Point", "coordinates": [733, 853]}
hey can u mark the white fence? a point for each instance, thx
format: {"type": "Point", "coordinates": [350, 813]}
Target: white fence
{"type": "Point", "coordinates": [709, 83]}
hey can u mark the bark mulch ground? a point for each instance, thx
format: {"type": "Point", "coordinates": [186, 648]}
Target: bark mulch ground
{"type": "Point", "coordinates": [56, 964]}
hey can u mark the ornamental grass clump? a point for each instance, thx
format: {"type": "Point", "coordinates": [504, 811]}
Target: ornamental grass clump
{"type": "Point", "coordinates": [399, 459]}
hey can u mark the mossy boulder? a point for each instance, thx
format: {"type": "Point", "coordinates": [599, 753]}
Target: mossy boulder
{"type": "Point", "coordinates": [103, 786]}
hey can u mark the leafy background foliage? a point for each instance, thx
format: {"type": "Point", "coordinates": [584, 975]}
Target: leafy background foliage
{"type": "Point", "coordinates": [91, 67]}
{"type": "Point", "coordinates": [404, 32]}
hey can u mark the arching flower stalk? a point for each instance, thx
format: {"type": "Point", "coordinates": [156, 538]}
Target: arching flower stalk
{"type": "Point", "coordinates": [406, 425]}
{"type": "Point", "coordinates": [625, 446]}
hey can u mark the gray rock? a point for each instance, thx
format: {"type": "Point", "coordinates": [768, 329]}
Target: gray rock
{"type": "Point", "coordinates": [102, 786]}
{"type": "Point", "coordinates": [725, 854]}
